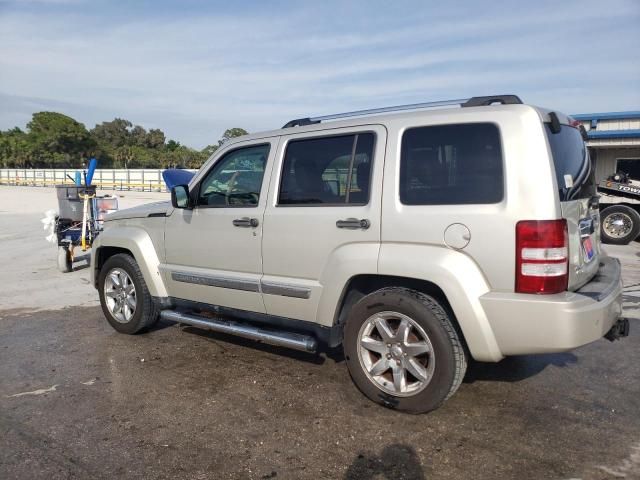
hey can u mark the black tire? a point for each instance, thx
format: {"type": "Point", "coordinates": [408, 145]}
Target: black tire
{"type": "Point", "coordinates": [65, 265]}
{"type": "Point", "coordinates": [625, 214]}
{"type": "Point", "coordinates": [449, 354]}
{"type": "Point", "coordinates": [146, 312]}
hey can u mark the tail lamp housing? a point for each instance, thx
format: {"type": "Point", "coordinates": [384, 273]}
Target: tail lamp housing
{"type": "Point", "coordinates": [542, 256]}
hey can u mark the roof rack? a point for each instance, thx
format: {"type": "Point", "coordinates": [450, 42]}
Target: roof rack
{"type": "Point", "coordinates": [470, 102]}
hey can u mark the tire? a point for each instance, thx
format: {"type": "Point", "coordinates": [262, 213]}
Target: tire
{"type": "Point", "coordinates": [619, 225]}
{"type": "Point", "coordinates": [431, 328]}
{"type": "Point", "coordinates": [65, 265]}
{"type": "Point", "coordinates": [131, 317]}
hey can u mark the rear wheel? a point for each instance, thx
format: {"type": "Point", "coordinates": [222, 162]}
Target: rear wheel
{"type": "Point", "coordinates": [402, 350]}
{"type": "Point", "coordinates": [124, 296]}
{"type": "Point", "coordinates": [620, 224]}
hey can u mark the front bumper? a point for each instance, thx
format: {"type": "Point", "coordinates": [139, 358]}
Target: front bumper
{"type": "Point", "coordinates": [527, 324]}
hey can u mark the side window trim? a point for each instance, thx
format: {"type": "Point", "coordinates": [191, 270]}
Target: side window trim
{"type": "Point", "coordinates": [285, 145]}
{"type": "Point", "coordinates": [195, 193]}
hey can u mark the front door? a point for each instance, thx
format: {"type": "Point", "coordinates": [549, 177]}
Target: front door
{"type": "Point", "coordinates": [213, 251]}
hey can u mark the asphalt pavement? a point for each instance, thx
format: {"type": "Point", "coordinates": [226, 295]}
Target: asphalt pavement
{"type": "Point", "coordinates": [78, 400]}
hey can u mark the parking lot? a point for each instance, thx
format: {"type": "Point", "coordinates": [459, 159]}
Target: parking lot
{"type": "Point", "coordinates": [78, 400]}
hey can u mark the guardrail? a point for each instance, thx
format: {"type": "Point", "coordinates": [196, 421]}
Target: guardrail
{"type": "Point", "coordinates": [106, 179]}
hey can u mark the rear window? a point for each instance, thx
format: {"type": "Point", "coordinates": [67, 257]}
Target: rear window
{"type": "Point", "coordinates": [451, 164]}
{"type": "Point", "coordinates": [572, 164]}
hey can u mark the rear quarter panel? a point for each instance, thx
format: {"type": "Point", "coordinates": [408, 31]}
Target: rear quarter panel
{"type": "Point", "coordinates": [413, 236]}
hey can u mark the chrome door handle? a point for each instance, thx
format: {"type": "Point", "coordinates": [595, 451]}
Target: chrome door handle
{"type": "Point", "coordinates": [246, 222]}
{"type": "Point", "coordinates": [354, 223]}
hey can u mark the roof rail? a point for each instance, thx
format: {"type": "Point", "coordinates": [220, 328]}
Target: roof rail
{"type": "Point", "coordinates": [464, 102]}
{"type": "Point", "coordinates": [486, 101]}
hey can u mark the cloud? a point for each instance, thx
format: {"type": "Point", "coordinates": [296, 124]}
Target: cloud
{"type": "Point", "coordinates": [195, 71]}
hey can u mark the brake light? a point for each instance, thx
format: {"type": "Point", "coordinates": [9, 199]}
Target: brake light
{"type": "Point", "coordinates": [542, 256]}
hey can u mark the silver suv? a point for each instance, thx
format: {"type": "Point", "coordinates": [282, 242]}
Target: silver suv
{"type": "Point", "coordinates": [416, 240]}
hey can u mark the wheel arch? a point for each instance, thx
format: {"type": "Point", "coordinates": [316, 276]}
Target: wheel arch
{"type": "Point", "coordinates": [360, 285]}
{"type": "Point", "coordinates": [135, 242]}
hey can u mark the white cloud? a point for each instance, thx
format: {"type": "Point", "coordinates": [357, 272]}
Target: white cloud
{"type": "Point", "coordinates": [194, 76]}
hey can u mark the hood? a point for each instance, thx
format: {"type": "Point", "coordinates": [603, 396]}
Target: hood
{"type": "Point", "coordinates": [156, 209]}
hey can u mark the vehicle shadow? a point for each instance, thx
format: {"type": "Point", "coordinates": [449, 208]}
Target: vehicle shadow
{"type": "Point", "coordinates": [395, 461]}
{"type": "Point", "coordinates": [517, 368]}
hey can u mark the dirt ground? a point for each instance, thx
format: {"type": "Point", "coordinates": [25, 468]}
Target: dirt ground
{"type": "Point", "coordinates": [78, 400]}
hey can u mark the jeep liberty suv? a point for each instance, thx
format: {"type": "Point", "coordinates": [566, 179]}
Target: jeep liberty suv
{"type": "Point", "coordinates": [417, 240]}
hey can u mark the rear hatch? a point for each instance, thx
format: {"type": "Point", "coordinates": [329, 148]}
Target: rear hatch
{"type": "Point", "coordinates": [578, 198]}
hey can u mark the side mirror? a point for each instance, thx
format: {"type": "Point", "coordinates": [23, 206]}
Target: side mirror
{"type": "Point", "coordinates": [180, 196]}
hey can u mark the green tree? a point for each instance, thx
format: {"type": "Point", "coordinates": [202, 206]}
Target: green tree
{"type": "Point", "coordinates": [209, 150]}
{"type": "Point", "coordinates": [56, 140]}
{"type": "Point", "coordinates": [231, 133]}
{"type": "Point", "coordinates": [113, 134]}
{"type": "Point", "coordinates": [172, 145]}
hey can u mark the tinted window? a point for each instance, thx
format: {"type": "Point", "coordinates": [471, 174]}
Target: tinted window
{"type": "Point", "coordinates": [236, 179]}
{"type": "Point", "coordinates": [328, 170]}
{"type": "Point", "coordinates": [572, 164]}
{"type": "Point", "coordinates": [630, 166]}
{"type": "Point", "coordinates": [451, 164]}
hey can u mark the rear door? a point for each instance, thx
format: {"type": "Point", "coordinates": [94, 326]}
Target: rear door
{"type": "Point", "coordinates": [322, 221]}
{"type": "Point", "coordinates": [578, 201]}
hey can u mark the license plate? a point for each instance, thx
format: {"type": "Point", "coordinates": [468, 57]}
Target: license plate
{"type": "Point", "coordinates": [587, 246]}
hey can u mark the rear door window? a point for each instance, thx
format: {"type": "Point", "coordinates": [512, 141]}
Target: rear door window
{"type": "Point", "coordinates": [451, 164]}
{"type": "Point", "coordinates": [327, 170]}
{"type": "Point", "coordinates": [572, 164]}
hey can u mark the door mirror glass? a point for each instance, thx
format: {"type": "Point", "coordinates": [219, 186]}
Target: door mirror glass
{"type": "Point", "coordinates": [180, 196]}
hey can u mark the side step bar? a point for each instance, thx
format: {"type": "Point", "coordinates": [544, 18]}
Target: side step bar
{"type": "Point", "coordinates": [280, 338]}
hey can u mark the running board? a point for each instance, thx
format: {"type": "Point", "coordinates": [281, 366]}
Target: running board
{"type": "Point", "coordinates": [280, 338]}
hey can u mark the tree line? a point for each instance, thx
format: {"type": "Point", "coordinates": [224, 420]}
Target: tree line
{"type": "Point", "coordinates": [54, 140]}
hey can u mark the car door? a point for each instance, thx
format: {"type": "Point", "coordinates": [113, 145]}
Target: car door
{"type": "Point", "coordinates": [322, 223]}
{"type": "Point", "coordinates": [213, 251]}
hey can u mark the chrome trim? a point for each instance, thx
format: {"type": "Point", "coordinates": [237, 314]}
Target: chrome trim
{"type": "Point", "coordinates": [296, 341]}
{"type": "Point", "coordinates": [215, 281]}
{"type": "Point", "coordinates": [285, 290]}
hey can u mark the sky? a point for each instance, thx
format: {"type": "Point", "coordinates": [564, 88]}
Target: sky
{"type": "Point", "coordinates": [194, 68]}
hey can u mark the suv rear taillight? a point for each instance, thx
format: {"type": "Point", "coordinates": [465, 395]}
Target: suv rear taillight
{"type": "Point", "coordinates": [542, 254]}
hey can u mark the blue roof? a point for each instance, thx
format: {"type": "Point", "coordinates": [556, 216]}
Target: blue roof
{"type": "Point", "coordinates": [593, 134]}
{"type": "Point", "coordinates": [607, 115]}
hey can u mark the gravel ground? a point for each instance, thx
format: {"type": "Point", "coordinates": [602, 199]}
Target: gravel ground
{"type": "Point", "coordinates": [78, 400]}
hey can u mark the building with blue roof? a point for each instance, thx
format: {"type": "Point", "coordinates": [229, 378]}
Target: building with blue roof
{"type": "Point", "coordinates": [614, 142]}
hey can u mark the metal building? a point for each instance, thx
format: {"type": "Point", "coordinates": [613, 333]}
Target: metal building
{"type": "Point", "coordinates": [614, 142]}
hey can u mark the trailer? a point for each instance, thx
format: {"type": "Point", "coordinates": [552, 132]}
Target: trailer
{"type": "Point", "coordinates": [79, 220]}
{"type": "Point", "coordinates": [619, 209]}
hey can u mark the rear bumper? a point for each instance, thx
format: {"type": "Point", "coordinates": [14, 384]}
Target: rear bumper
{"type": "Point", "coordinates": [526, 324]}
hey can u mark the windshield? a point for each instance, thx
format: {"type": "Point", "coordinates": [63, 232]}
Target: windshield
{"type": "Point", "coordinates": [572, 163]}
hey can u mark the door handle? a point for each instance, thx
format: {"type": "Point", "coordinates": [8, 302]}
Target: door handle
{"type": "Point", "coordinates": [246, 222]}
{"type": "Point", "coordinates": [354, 223]}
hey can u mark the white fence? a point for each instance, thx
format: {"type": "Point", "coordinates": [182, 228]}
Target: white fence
{"type": "Point", "coordinates": [106, 179]}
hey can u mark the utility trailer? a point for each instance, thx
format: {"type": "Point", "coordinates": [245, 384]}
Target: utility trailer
{"type": "Point", "coordinates": [80, 220]}
{"type": "Point", "coordinates": [620, 209]}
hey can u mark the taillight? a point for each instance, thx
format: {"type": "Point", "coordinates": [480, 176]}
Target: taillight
{"type": "Point", "coordinates": [542, 256]}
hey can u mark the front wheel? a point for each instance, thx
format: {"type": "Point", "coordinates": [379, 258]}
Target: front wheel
{"type": "Point", "coordinates": [124, 296]}
{"type": "Point", "coordinates": [402, 350]}
{"type": "Point", "coordinates": [620, 225]}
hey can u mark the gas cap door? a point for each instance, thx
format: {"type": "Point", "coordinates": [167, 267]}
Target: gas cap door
{"type": "Point", "coordinates": [457, 236]}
